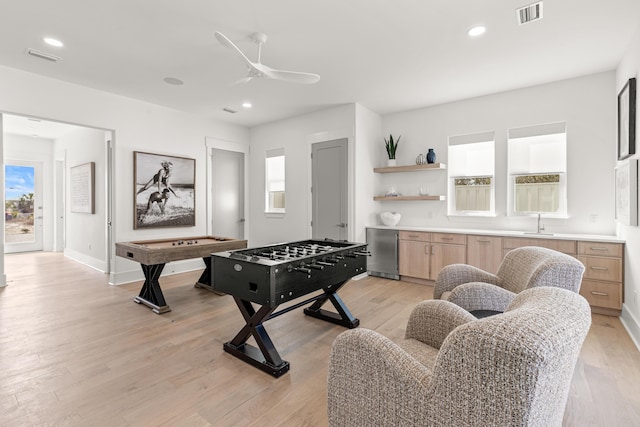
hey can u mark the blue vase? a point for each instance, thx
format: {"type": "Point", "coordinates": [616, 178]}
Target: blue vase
{"type": "Point", "coordinates": [431, 156]}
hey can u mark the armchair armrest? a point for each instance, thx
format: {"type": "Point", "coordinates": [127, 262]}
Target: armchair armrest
{"type": "Point", "coordinates": [481, 296]}
{"type": "Point", "coordinates": [372, 381]}
{"type": "Point", "coordinates": [456, 274]}
{"type": "Point", "coordinates": [431, 321]}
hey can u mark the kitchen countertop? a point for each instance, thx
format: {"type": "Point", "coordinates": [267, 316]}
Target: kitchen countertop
{"type": "Point", "coordinates": [505, 233]}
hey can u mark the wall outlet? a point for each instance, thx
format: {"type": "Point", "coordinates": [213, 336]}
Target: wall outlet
{"type": "Point", "coordinates": [429, 215]}
{"type": "Point", "coordinates": [593, 218]}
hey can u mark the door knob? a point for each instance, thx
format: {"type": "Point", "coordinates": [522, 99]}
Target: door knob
{"type": "Point", "coordinates": [342, 225]}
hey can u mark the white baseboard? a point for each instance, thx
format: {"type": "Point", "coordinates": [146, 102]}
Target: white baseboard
{"type": "Point", "coordinates": [98, 264]}
{"type": "Point", "coordinates": [176, 267]}
{"type": "Point", "coordinates": [632, 325]}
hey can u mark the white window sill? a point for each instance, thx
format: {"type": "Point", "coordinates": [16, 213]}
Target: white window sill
{"type": "Point", "coordinates": [274, 214]}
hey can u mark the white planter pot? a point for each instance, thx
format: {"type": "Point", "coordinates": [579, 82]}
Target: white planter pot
{"type": "Point", "coordinates": [391, 162]}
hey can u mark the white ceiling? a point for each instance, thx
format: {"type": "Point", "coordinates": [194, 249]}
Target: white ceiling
{"type": "Point", "coordinates": [388, 55]}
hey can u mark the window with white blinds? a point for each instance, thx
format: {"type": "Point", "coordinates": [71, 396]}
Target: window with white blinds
{"type": "Point", "coordinates": [472, 174]}
{"type": "Point", "coordinates": [538, 170]}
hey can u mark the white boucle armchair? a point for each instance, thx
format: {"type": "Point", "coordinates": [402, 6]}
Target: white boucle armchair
{"type": "Point", "coordinates": [479, 291]}
{"type": "Point", "coordinates": [511, 369]}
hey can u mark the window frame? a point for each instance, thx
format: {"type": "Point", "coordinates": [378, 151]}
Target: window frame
{"type": "Point", "coordinates": [544, 131]}
{"type": "Point", "coordinates": [268, 208]}
{"type": "Point", "coordinates": [469, 139]}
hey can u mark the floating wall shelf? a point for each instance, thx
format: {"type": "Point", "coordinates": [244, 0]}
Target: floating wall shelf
{"type": "Point", "coordinates": [406, 198]}
{"type": "Point", "coordinates": [411, 168]}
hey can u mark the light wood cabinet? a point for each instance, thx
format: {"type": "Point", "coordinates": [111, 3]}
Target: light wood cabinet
{"type": "Point", "coordinates": [484, 252]}
{"type": "Point", "coordinates": [602, 284]}
{"type": "Point", "coordinates": [414, 254]}
{"type": "Point", "coordinates": [443, 255]}
{"type": "Point", "coordinates": [422, 255]}
{"type": "Point", "coordinates": [564, 246]}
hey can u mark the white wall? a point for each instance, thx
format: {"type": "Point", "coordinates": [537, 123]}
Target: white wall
{"type": "Point", "coordinates": [20, 147]}
{"type": "Point", "coordinates": [138, 126]}
{"type": "Point", "coordinates": [294, 135]}
{"type": "Point", "coordinates": [85, 238]}
{"type": "Point", "coordinates": [587, 104]}
{"type": "Point", "coordinates": [368, 129]}
{"type": "Point", "coordinates": [628, 68]}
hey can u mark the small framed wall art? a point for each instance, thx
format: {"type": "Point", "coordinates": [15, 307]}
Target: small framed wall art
{"type": "Point", "coordinates": [164, 190]}
{"type": "Point", "coordinates": [82, 185]}
{"type": "Point", "coordinates": [626, 176]}
{"type": "Point", "coordinates": [627, 120]}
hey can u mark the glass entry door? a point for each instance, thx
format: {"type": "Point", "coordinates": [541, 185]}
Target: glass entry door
{"type": "Point", "coordinates": [22, 206]}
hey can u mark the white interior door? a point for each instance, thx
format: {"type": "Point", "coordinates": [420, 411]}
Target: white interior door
{"type": "Point", "coordinates": [23, 206]}
{"type": "Point", "coordinates": [329, 168]}
{"type": "Point", "coordinates": [227, 187]}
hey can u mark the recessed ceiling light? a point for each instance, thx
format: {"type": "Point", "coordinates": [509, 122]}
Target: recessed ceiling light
{"type": "Point", "coordinates": [53, 42]}
{"type": "Point", "coordinates": [247, 105]}
{"type": "Point", "coordinates": [173, 81]}
{"type": "Point", "coordinates": [476, 31]}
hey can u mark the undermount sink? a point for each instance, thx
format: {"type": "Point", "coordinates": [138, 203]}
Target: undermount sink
{"type": "Point", "coordinates": [538, 233]}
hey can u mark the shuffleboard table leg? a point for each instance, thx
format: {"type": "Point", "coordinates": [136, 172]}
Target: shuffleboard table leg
{"type": "Point", "coordinates": [151, 293]}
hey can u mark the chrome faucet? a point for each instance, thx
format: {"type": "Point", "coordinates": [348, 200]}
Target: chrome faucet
{"type": "Point", "coordinates": [540, 227]}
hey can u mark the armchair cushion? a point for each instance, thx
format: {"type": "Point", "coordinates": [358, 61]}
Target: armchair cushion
{"type": "Point", "coordinates": [481, 296]}
{"type": "Point", "coordinates": [456, 274]}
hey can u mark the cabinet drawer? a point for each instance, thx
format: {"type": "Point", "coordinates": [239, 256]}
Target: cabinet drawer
{"type": "Point", "coordinates": [601, 294]}
{"type": "Point", "coordinates": [564, 246]}
{"type": "Point", "coordinates": [418, 236]}
{"type": "Point", "coordinates": [449, 238]}
{"type": "Point", "coordinates": [600, 268]}
{"type": "Point", "coordinates": [597, 248]}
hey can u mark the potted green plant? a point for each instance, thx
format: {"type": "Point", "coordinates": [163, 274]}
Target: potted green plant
{"type": "Point", "coordinates": [391, 147]}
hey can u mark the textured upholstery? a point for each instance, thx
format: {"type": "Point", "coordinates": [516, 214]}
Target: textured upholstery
{"type": "Point", "coordinates": [523, 268]}
{"type": "Point", "coordinates": [512, 369]}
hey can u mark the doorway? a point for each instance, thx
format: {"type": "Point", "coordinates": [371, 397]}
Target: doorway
{"type": "Point", "coordinates": [23, 215]}
{"type": "Point", "coordinates": [329, 184]}
{"type": "Point", "coordinates": [227, 193]}
{"type": "Point", "coordinates": [56, 147]}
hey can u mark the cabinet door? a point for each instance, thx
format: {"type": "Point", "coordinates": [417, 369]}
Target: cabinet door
{"type": "Point", "coordinates": [414, 259]}
{"type": "Point", "coordinates": [443, 255]}
{"type": "Point", "coordinates": [484, 252]}
{"type": "Point", "coordinates": [602, 268]}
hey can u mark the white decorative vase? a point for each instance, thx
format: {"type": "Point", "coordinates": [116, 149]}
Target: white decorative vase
{"type": "Point", "coordinates": [391, 162]}
{"type": "Point", "coordinates": [390, 218]}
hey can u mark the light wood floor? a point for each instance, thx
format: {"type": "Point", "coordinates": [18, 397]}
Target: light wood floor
{"type": "Point", "coordinates": [75, 351]}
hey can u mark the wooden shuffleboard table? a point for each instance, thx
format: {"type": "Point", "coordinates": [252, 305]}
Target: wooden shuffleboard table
{"type": "Point", "coordinates": [154, 254]}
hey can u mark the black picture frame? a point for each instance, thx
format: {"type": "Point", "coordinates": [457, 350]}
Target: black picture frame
{"type": "Point", "coordinates": [164, 191]}
{"type": "Point", "coordinates": [627, 120]}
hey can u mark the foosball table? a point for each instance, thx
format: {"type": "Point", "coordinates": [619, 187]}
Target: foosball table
{"type": "Point", "coordinates": [154, 254]}
{"type": "Point", "coordinates": [272, 275]}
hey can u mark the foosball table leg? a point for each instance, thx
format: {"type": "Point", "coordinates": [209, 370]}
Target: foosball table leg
{"type": "Point", "coordinates": [342, 318]}
{"type": "Point", "coordinates": [265, 357]}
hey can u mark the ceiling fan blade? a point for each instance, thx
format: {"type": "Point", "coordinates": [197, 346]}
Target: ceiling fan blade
{"type": "Point", "coordinates": [242, 81]}
{"type": "Point", "coordinates": [292, 76]}
{"type": "Point", "coordinates": [224, 41]}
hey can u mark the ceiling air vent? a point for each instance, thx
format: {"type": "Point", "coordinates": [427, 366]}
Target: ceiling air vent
{"type": "Point", "coordinates": [229, 110]}
{"type": "Point", "coordinates": [530, 13]}
{"type": "Point", "coordinates": [43, 55]}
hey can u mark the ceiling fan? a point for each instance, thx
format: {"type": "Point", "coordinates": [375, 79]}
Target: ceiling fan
{"type": "Point", "coordinates": [257, 69]}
